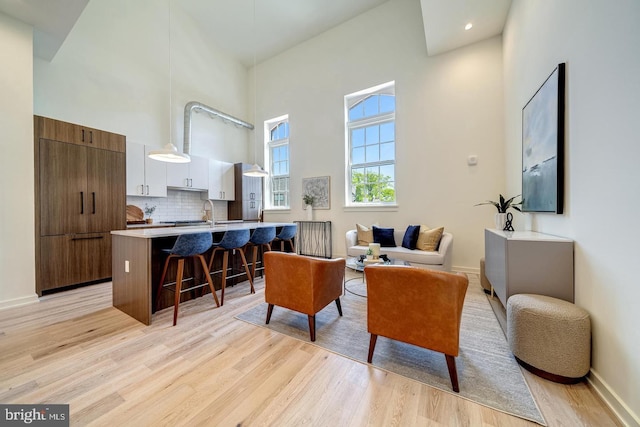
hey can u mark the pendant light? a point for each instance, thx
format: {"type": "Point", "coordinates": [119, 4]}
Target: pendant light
{"type": "Point", "coordinates": [169, 153]}
{"type": "Point", "coordinates": [255, 170]}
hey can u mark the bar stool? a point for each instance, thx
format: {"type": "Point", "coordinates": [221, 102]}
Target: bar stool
{"type": "Point", "coordinates": [186, 246]}
{"type": "Point", "coordinates": [261, 238]}
{"type": "Point", "coordinates": [287, 234]}
{"type": "Point", "coordinates": [231, 240]}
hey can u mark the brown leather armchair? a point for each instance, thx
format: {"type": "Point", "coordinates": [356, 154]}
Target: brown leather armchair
{"type": "Point", "coordinates": [416, 306]}
{"type": "Point", "coordinates": [302, 284]}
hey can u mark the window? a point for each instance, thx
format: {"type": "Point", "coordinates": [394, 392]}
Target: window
{"type": "Point", "coordinates": [277, 154]}
{"type": "Point", "coordinates": [370, 117]}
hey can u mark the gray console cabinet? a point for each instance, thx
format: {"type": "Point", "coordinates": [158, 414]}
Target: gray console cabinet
{"type": "Point", "coordinates": [528, 262]}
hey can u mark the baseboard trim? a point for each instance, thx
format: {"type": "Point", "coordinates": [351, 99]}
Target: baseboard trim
{"type": "Point", "coordinates": [612, 400]}
{"type": "Point", "coordinates": [462, 269]}
{"type": "Point", "coordinates": [16, 302]}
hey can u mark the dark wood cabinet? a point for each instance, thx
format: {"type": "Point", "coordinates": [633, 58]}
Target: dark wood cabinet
{"type": "Point", "coordinates": [80, 180]}
{"type": "Point", "coordinates": [57, 130]}
{"type": "Point", "coordinates": [248, 195]}
{"type": "Point", "coordinates": [70, 259]}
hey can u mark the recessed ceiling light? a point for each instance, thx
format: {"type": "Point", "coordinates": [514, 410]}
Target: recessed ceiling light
{"type": "Point", "coordinates": [468, 26]}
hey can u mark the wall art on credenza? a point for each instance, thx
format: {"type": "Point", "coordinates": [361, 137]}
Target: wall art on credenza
{"type": "Point", "coordinates": [543, 146]}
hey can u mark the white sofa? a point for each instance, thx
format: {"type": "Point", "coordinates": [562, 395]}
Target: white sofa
{"type": "Point", "coordinates": [436, 260]}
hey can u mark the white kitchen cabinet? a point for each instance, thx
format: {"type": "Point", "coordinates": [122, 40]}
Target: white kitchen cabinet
{"type": "Point", "coordinates": [221, 180]}
{"type": "Point", "coordinates": [192, 176]}
{"type": "Point", "coordinates": [145, 176]}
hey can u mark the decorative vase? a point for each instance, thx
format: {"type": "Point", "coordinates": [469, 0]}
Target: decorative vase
{"type": "Point", "coordinates": [309, 213]}
{"type": "Point", "coordinates": [149, 220]}
{"type": "Point", "coordinates": [501, 219]}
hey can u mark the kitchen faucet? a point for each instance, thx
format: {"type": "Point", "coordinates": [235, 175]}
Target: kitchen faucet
{"type": "Point", "coordinates": [204, 206]}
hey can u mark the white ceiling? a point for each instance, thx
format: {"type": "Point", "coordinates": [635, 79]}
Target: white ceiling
{"type": "Point", "coordinates": [281, 24]}
{"type": "Point", "coordinates": [52, 21]}
{"type": "Point", "coordinates": [444, 22]}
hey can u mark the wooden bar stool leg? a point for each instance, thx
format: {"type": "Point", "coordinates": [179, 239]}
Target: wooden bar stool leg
{"type": "Point", "coordinates": [178, 289]}
{"type": "Point", "coordinates": [255, 260]}
{"type": "Point", "coordinates": [246, 269]}
{"type": "Point", "coordinates": [209, 280]}
{"type": "Point", "coordinates": [225, 263]}
{"type": "Point", "coordinates": [161, 284]}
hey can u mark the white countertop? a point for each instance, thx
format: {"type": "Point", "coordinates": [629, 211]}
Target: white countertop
{"type": "Point", "coordinates": [152, 233]}
{"type": "Point", "coordinates": [528, 235]}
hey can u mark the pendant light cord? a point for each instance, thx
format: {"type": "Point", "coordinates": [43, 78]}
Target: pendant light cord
{"type": "Point", "coordinates": [255, 86]}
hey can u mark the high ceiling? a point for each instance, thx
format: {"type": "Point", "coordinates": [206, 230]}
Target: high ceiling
{"type": "Point", "coordinates": [245, 28]}
{"type": "Point", "coordinates": [444, 22]}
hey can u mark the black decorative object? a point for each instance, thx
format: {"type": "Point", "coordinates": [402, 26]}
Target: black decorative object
{"type": "Point", "coordinates": [543, 146]}
{"type": "Point", "coordinates": [508, 225]}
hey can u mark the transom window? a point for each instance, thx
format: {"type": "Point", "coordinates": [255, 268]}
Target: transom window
{"type": "Point", "coordinates": [277, 153]}
{"type": "Point", "coordinates": [371, 146]}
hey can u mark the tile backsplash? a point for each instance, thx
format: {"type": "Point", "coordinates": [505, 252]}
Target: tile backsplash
{"type": "Point", "coordinates": [179, 205]}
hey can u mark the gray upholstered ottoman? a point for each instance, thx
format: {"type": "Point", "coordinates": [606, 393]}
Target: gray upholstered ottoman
{"type": "Point", "coordinates": [549, 337]}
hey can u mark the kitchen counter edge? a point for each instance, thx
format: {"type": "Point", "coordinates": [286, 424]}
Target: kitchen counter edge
{"type": "Point", "coordinates": [151, 233]}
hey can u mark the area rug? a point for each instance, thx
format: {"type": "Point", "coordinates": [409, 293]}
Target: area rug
{"type": "Point", "coordinates": [487, 372]}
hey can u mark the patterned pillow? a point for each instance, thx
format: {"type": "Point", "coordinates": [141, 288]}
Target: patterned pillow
{"type": "Point", "coordinates": [411, 237]}
{"type": "Point", "coordinates": [365, 235]}
{"type": "Point", "coordinates": [384, 236]}
{"type": "Point", "coordinates": [429, 240]}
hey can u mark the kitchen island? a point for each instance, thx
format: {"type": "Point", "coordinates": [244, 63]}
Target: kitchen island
{"type": "Point", "coordinates": [136, 262]}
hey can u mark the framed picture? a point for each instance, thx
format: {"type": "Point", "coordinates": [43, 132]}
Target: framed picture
{"type": "Point", "coordinates": [320, 188]}
{"type": "Point", "coordinates": [543, 146]}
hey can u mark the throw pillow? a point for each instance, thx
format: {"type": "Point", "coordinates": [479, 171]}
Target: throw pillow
{"type": "Point", "coordinates": [429, 240]}
{"type": "Point", "coordinates": [365, 235]}
{"type": "Point", "coordinates": [411, 237]}
{"type": "Point", "coordinates": [384, 236]}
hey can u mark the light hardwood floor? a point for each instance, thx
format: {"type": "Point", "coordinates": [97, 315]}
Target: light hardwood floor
{"type": "Point", "coordinates": [211, 369]}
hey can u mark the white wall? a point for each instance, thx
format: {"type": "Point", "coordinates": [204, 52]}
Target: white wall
{"type": "Point", "coordinates": [599, 42]}
{"type": "Point", "coordinates": [448, 107]}
{"type": "Point", "coordinates": [17, 250]}
{"type": "Point", "coordinates": [112, 73]}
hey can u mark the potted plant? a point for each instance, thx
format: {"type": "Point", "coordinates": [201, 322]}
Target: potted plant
{"type": "Point", "coordinates": [503, 205]}
{"type": "Point", "coordinates": [369, 254]}
{"type": "Point", "coordinates": [149, 210]}
{"type": "Point", "coordinates": [308, 199]}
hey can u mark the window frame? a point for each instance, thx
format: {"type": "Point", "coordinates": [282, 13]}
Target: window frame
{"type": "Point", "coordinates": [269, 146]}
{"type": "Point", "coordinates": [350, 101]}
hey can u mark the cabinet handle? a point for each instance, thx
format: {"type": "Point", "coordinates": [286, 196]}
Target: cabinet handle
{"type": "Point", "coordinates": [147, 190]}
{"type": "Point", "coordinates": [82, 203]}
{"type": "Point", "coordinates": [87, 238]}
{"type": "Point", "coordinates": [90, 137]}
{"type": "Point", "coordinates": [82, 135]}
{"type": "Point", "coordinates": [93, 195]}
{"type": "Point", "coordinates": [190, 182]}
